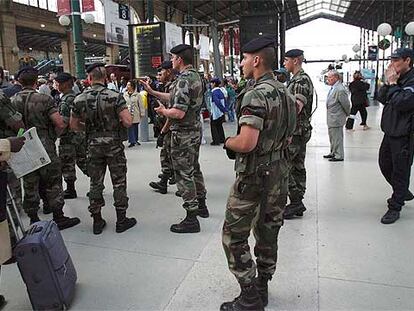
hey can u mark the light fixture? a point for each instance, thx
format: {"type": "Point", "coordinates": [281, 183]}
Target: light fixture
{"type": "Point", "coordinates": [30, 49]}
{"type": "Point", "coordinates": [42, 25]}
{"type": "Point", "coordinates": [409, 29]}
{"type": "Point", "coordinates": [356, 48]}
{"type": "Point", "coordinates": [88, 18]}
{"type": "Point", "coordinates": [94, 35]}
{"type": "Point", "coordinates": [384, 29]}
{"type": "Point", "coordinates": [64, 20]}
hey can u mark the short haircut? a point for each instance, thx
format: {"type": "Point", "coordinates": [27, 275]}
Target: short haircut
{"type": "Point", "coordinates": [268, 56]}
{"type": "Point", "coordinates": [335, 73]}
{"type": "Point", "coordinates": [28, 78]}
{"type": "Point", "coordinates": [187, 56]}
{"type": "Point", "coordinates": [98, 73]}
{"type": "Point", "coordinates": [411, 60]}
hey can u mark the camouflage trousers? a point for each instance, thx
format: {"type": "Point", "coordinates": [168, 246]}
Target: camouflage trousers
{"type": "Point", "coordinates": [50, 176]}
{"type": "Point", "coordinates": [297, 173]}
{"type": "Point", "coordinates": [242, 215]}
{"type": "Point", "coordinates": [165, 156]}
{"type": "Point", "coordinates": [72, 151]}
{"type": "Point", "coordinates": [113, 157]}
{"type": "Point", "coordinates": [185, 149]}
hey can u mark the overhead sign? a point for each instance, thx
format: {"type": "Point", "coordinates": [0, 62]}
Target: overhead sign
{"type": "Point", "coordinates": [204, 47]}
{"type": "Point", "coordinates": [174, 36]}
{"type": "Point", "coordinates": [63, 7]}
{"type": "Point", "coordinates": [116, 28]}
{"type": "Point", "coordinates": [88, 5]}
{"type": "Point", "coordinates": [123, 11]}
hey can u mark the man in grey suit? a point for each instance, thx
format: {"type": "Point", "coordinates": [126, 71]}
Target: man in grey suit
{"type": "Point", "coordinates": [338, 108]}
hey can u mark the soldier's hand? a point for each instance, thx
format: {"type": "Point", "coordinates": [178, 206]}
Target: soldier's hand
{"type": "Point", "coordinates": [160, 109]}
{"type": "Point", "coordinates": [16, 143]}
{"type": "Point", "coordinates": [230, 153]}
{"type": "Point", "coordinates": [160, 140]}
{"type": "Point", "coordinates": [147, 86]}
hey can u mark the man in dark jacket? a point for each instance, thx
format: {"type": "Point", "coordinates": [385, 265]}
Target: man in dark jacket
{"type": "Point", "coordinates": [396, 151]}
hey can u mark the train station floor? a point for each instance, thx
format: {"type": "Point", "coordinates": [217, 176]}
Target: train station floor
{"type": "Point", "coordinates": [338, 256]}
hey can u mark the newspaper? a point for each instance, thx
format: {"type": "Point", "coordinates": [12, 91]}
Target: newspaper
{"type": "Point", "coordinates": [31, 157]}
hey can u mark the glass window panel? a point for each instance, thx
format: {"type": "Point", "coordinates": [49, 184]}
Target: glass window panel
{"type": "Point", "coordinates": [43, 4]}
{"type": "Point", "coordinates": [33, 2]}
{"type": "Point", "coordinates": [335, 1]}
{"type": "Point", "coordinates": [334, 8]}
{"type": "Point", "coordinates": [52, 5]}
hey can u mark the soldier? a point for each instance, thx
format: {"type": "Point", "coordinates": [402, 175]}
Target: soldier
{"type": "Point", "coordinates": [104, 116]}
{"type": "Point", "coordinates": [72, 146]}
{"type": "Point", "coordinates": [301, 87]}
{"type": "Point", "coordinates": [164, 139]}
{"type": "Point", "coordinates": [39, 110]}
{"type": "Point", "coordinates": [185, 98]}
{"type": "Point", "coordinates": [266, 119]}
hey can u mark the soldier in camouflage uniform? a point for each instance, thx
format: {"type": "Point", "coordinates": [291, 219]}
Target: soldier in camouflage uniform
{"type": "Point", "coordinates": [39, 110]}
{"type": "Point", "coordinates": [104, 116]}
{"type": "Point", "coordinates": [266, 119]}
{"type": "Point", "coordinates": [164, 139]}
{"type": "Point", "coordinates": [72, 146]}
{"type": "Point", "coordinates": [302, 88]}
{"type": "Point", "coordinates": [185, 100]}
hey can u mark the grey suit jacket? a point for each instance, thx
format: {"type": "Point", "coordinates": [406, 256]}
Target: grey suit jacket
{"type": "Point", "coordinates": [338, 106]}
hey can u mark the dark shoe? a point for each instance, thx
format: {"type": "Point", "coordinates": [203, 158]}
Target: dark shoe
{"type": "Point", "coordinates": [10, 261]}
{"type": "Point", "coordinates": [138, 143]}
{"type": "Point", "coordinates": [64, 222]}
{"type": "Point", "coordinates": [390, 217]}
{"type": "Point", "coordinates": [261, 284]}
{"type": "Point", "coordinates": [33, 218]}
{"type": "Point", "coordinates": [249, 299]}
{"type": "Point", "coordinates": [214, 144]}
{"type": "Point", "coordinates": [178, 194]}
{"type": "Point", "coordinates": [160, 186]}
{"type": "Point", "coordinates": [70, 192]}
{"type": "Point", "coordinates": [189, 224]}
{"type": "Point", "coordinates": [202, 208]}
{"type": "Point", "coordinates": [131, 145]}
{"type": "Point", "coordinates": [98, 223]}
{"type": "Point", "coordinates": [328, 156]}
{"type": "Point", "coordinates": [46, 208]}
{"type": "Point", "coordinates": [409, 196]}
{"type": "Point", "coordinates": [172, 180]}
{"type": "Point", "coordinates": [124, 223]}
{"type": "Point", "coordinates": [294, 210]}
{"type": "Point", "coordinates": [335, 160]}
{"type": "Point", "coordinates": [3, 302]}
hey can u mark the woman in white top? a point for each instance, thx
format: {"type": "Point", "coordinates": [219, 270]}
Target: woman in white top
{"type": "Point", "coordinates": [136, 108]}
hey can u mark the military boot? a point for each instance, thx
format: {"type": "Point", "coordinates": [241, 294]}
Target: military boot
{"type": "Point", "coordinates": [178, 194]}
{"type": "Point", "coordinates": [63, 222]}
{"type": "Point", "coordinates": [189, 224]}
{"type": "Point", "coordinates": [390, 217]}
{"type": "Point", "coordinates": [98, 223]}
{"type": "Point", "coordinates": [294, 209]}
{"type": "Point", "coordinates": [124, 223]}
{"type": "Point", "coordinates": [33, 217]}
{"type": "Point", "coordinates": [3, 302]}
{"type": "Point", "coordinates": [249, 299]}
{"type": "Point", "coordinates": [261, 284]}
{"type": "Point", "coordinates": [70, 192]}
{"type": "Point", "coordinates": [202, 208]}
{"type": "Point", "coordinates": [160, 186]}
{"type": "Point", "coordinates": [409, 196]}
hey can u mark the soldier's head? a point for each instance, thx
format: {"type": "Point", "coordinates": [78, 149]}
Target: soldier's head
{"type": "Point", "coordinates": [259, 56]}
{"type": "Point", "coordinates": [402, 60]}
{"type": "Point", "coordinates": [181, 56]}
{"type": "Point", "coordinates": [294, 60]}
{"type": "Point", "coordinates": [27, 76]}
{"type": "Point", "coordinates": [166, 73]}
{"type": "Point", "coordinates": [96, 73]}
{"type": "Point", "coordinates": [64, 82]}
{"type": "Point", "coordinates": [333, 77]}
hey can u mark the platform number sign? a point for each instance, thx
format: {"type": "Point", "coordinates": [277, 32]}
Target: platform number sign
{"type": "Point", "coordinates": [124, 12]}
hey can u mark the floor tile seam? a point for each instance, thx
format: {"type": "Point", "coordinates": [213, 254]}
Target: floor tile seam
{"type": "Point", "coordinates": [366, 282]}
{"type": "Point", "coordinates": [133, 252]}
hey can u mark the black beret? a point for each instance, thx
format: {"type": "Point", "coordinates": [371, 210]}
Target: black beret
{"type": "Point", "coordinates": [166, 64]}
{"type": "Point", "coordinates": [403, 53]}
{"type": "Point", "coordinates": [259, 43]}
{"type": "Point", "coordinates": [294, 53]}
{"type": "Point", "coordinates": [27, 69]}
{"type": "Point", "coordinates": [63, 77]}
{"type": "Point", "coordinates": [180, 48]}
{"type": "Point", "coordinates": [93, 66]}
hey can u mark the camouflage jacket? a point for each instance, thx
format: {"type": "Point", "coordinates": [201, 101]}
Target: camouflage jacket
{"type": "Point", "coordinates": [187, 95]}
{"type": "Point", "coordinates": [65, 106]}
{"type": "Point", "coordinates": [8, 115]}
{"type": "Point", "coordinates": [99, 107]}
{"type": "Point", "coordinates": [36, 110]}
{"type": "Point", "coordinates": [301, 87]}
{"type": "Point", "coordinates": [270, 108]}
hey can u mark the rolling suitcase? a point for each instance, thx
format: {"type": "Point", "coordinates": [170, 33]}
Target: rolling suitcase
{"type": "Point", "coordinates": [45, 265]}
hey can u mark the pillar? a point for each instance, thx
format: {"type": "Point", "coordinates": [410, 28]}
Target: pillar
{"type": "Point", "coordinates": [68, 58]}
{"type": "Point", "coordinates": [112, 53]}
{"type": "Point", "coordinates": [9, 59]}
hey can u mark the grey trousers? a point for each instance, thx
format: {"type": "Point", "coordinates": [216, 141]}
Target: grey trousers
{"type": "Point", "coordinates": [336, 138]}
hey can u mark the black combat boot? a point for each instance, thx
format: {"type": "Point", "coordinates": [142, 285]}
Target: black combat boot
{"type": "Point", "coordinates": [3, 302]}
{"type": "Point", "coordinates": [178, 194]}
{"type": "Point", "coordinates": [98, 223]}
{"type": "Point", "coordinates": [294, 209]}
{"type": "Point", "coordinates": [124, 223]}
{"type": "Point", "coordinates": [172, 180]}
{"type": "Point", "coordinates": [409, 196]}
{"type": "Point", "coordinates": [189, 224]}
{"type": "Point", "coordinates": [160, 186]}
{"type": "Point", "coordinates": [202, 208]}
{"type": "Point", "coordinates": [249, 300]}
{"type": "Point", "coordinates": [33, 217]}
{"type": "Point", "coordinates": [261, 284]}
{"type": "Point", "coordinates": [70, 192]}
{"type": "Point", "coordinates": [64, 222]}
{"type": "Point", "coordinates": [390, 217]}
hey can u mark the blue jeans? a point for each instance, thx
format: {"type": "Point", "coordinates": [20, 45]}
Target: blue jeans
{"type": "Point", "coordinates": [133, 133]}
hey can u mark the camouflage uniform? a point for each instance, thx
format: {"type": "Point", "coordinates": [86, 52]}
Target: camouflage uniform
{"type": "Point", "coordinates": [100, 108]}
{"type": "Point", "coordinates": [72, 146]}
{"type": "Point", "coordinates": [187, 95]}
{"type": "Point", "coordinates": [302, 88]}
{"type": "Point", "coordinates": [165, 153]}
{"type": "Point", "coordinates": [36, 109]}
{"type": "Point", "coordinates": [268, 107]}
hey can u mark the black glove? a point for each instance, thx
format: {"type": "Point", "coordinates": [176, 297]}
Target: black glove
{"type": "Point", "coordinates": [230, 153]}
{"type": "Point", "coordinates": [160, 140]}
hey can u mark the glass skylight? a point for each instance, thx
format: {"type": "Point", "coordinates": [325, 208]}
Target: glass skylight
{"type": "Point", "coordinates": [309, 8]}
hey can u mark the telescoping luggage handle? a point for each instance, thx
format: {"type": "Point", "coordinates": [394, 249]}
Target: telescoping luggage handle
{"type": "Point", "coordinates": [16, 212]}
